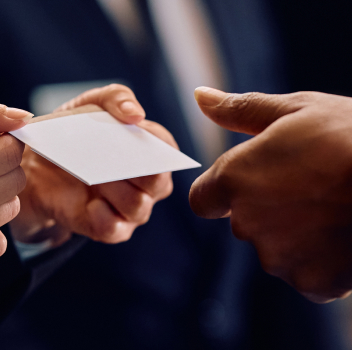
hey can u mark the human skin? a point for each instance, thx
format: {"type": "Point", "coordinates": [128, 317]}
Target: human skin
{"type": "Point", "coordinates": [107, 213]}
{"type": "Point", "coordinates": [12, 178]}
{"type": "Point", "coordinates": [288, 190]}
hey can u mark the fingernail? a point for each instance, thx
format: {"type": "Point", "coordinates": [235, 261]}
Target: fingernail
{"type": "Point", "coordinates": [18, 114]}
{"type": "Point", "coordinates": [130, 108]}
{"type": "Point", "coordinates": [206, 96]}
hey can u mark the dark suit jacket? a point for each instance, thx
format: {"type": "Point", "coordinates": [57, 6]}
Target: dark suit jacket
{"type": "Point", "coordinates": [180, 282]}
{"type": "Point", "coordinates": [18, 279]}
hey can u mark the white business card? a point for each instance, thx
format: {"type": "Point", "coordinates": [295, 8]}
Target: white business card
{"type": "Point", "coordinates": [96, 148]}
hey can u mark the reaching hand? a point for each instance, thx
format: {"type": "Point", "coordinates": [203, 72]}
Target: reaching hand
{"type": "Point", "coordinates": [289, 189]}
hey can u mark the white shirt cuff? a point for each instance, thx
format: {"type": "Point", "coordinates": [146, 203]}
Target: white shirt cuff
{"type": "Point", "coordinates": [28, 251]}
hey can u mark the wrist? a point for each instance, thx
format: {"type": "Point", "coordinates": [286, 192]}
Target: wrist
{"type": "Point", "coordinates": [55, 235]}
{"type": "Point", "coordinates": [26, 229]}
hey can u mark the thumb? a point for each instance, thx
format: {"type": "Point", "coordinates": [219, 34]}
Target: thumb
{"type": "Point", "coordinates": [13, 118]}
{"type": "Point", "coordinates": [117, 99]}
{"type": "Point", "coordinates": [249, 113]}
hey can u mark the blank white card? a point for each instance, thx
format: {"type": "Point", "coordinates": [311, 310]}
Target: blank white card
{"type": "Point", "coordinates": [96, 148]}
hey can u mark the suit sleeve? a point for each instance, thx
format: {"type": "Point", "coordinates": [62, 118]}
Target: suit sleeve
{"type": "Point", "coordinates": [18, 279]}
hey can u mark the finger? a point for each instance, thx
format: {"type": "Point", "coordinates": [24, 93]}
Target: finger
{"type": "Point", "coordinates": [3, 243]}
{"type": "Point", "coordinates": [13, 118]}
{"type": "Point", "coordinates": [157, 186]}
{"type": "Point", "coordinates": [106, 225]}
{"type": "Point", "coordinates": [211, 195]}
{"type": "Point", "coordinates": [159, 131]}
{"type": "Point", "coordinates": [11, 184]}
{"type": "Point", "coordinates": [9, 210]}
{"type": "Point", "coordinates": [249, 113]}
{"type": "Point", "coordinates": [207, 199]}
{"type": "Point", "coordinates": [130, 202]}
{"type": "Point", "coordinates": [11, 151]}
{"type": "Point", "coordinates": [118, 100]}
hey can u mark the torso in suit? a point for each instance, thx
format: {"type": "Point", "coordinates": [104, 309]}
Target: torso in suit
{"type": "Point", "coordinates": [180, 282]}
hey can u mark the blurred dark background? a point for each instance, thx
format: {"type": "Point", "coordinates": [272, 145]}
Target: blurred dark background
{"type": "Point", "coordinates": [181, 282]}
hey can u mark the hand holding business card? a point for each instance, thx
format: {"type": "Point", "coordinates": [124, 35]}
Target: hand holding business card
{"type": "Point", "coordinates": [96, 148]}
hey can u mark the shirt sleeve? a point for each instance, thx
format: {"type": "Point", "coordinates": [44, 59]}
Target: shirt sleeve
{"type": "Point", "coordinates": [28, 251]}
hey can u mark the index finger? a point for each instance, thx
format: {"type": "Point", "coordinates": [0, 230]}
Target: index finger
{"type": "Point", "coordinates": [211, 193]}
{"type": "Point", "coordinates": [207, 197]}
{"type": "Point", "coordinates": [117, 99]}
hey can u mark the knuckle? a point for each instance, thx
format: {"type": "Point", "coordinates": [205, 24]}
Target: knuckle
{"type": "Point", "coordinates": [138, 201]}
{"type": "Point", "coordinates": [242, 104]}
{"type": "Point", "coordinates": [143, 212]}
{"type": "Point", "coordinates": [104, 235]}
{"type": "Point", "coordinates": [116, 88]}
{"type": "Point", "coordinates": [105, 231]}
{"type": "Point", "coordinates": [303, 98]}
{"type": "Point", "coordinates": [124, 236]}
{"type": "Point", "coordinates": [115, 236]}
{"type": "Point", "coordinates": [168, 189]}
{"type": "Point", "coordinates": [165, 184]}
{"type": "Point", "coordinates": [151, 182]}
{"type": "Point", "coordinates": [112, 231]}
{"type": "Point", "coordinates": [144, 218]}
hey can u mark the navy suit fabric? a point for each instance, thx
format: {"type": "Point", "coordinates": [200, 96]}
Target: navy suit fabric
{"type": "Point", "coordinates": [18, 280]}
{"type": "Point", "coordinates": [181, 282]}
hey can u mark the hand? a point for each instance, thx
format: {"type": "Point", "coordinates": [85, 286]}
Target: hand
{"type": "Point", "coordinates": [107, 213]}
{"type": "Point", "coordinates": [288, 190]}
{"type": "Point", "coordinates": [12, 178]}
